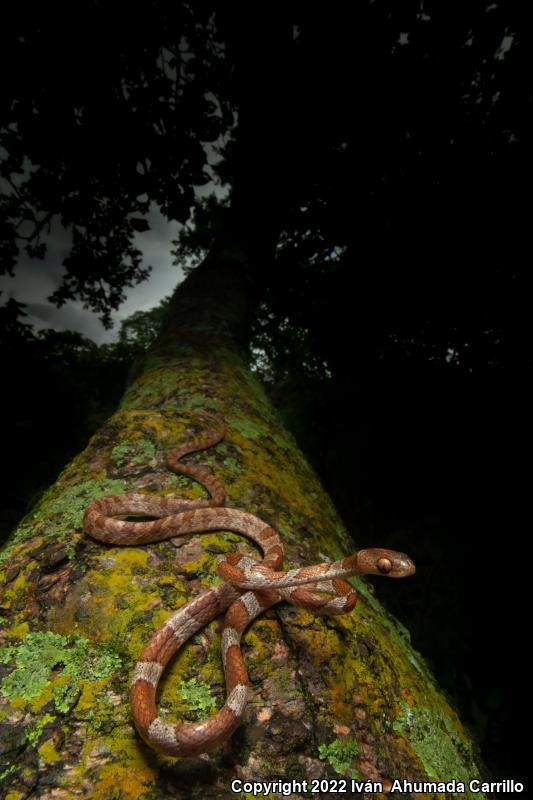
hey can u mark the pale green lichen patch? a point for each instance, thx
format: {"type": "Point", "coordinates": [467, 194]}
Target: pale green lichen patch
{"type": "Point", "coordinates": [7, 772]}
{"type": "Point", "coordinates": [192, 686]}
{"type": "Point", "coordinates": [151, 388]}
{"type": "Point", "coordinates": [197, 698]}
{"type": "Point", "coordinates": [138, 451]}
{"type": "Point", "coordinates": [35, 730]}
{"type": "Point", "coordinates": [435, 742]}
{"type": "Point", "coordinates": [60, 511]}
{"type": "Point", "coordinates": [67, 661]}
{"type": "Point", "coordinates": [247, 427]}
{"type": "Point", "coordinates": [340, 756]}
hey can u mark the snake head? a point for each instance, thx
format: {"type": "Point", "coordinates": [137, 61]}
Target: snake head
{"type": "Point", "coordinates": [380, 561]}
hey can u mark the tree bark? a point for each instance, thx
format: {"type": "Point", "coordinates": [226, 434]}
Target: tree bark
{"type": "Point", "coordinates": [343, 697]}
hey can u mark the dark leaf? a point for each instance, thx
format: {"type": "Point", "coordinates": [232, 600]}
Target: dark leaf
{"type": "Point", "coordinates": [139, 224]}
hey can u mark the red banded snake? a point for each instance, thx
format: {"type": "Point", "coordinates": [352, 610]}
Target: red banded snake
{"type": "Point", "coordinates": [249, 588]}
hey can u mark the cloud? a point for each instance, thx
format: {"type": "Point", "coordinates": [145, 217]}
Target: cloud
{"type": "Point", "coordinates": [35, 280]}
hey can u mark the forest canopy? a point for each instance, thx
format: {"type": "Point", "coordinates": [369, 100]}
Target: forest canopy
{"type": "Point", "coordinates": [359, 145]}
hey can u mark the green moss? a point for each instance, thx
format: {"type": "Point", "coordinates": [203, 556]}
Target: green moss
{"type": "Point", "coordinates": [339, 755]}
{"type": "Point", "coordinates": [41, 653]}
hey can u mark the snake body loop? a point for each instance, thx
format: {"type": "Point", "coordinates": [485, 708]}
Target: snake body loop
{"type": "Point", "coordinates": [249, 588]}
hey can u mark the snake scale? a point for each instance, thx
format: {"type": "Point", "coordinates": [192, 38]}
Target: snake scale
{"type": "Point", "coordinates": [248, 588]}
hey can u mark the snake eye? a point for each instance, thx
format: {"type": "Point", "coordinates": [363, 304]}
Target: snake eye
{"type": "Point", "coordinates": [384, 565]}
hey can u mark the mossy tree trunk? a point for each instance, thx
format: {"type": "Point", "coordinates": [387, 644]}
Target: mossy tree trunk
{"type": "Point", "coordinates": [341, 695]}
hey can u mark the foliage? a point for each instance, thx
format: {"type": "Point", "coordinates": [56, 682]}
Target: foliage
{"type": "Point", "coordinates": [195, 238]}
{"type": "Point", "coordinates": [443, 101]}
{"type": "Point", "coordinates": [139, 330]}
{"type": "Point", "coordinates": [94, 145]}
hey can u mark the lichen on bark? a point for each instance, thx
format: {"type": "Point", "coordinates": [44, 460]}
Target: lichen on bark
{"type": "Point", "coordinates": [314, 681]}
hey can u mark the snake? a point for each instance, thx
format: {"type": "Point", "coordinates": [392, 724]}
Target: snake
{"type": "Point", "coordinates": [248, 588]}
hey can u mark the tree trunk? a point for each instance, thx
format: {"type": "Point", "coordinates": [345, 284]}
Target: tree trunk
{"type": "Point", "coordinates": [343, 697]}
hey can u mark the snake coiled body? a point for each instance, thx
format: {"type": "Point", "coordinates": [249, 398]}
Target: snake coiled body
{"type": "Point", "coordinates": [248, 588]}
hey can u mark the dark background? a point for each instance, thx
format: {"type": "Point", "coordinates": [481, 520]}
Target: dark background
{"type": "Point", "coordinates": [383, 165]}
